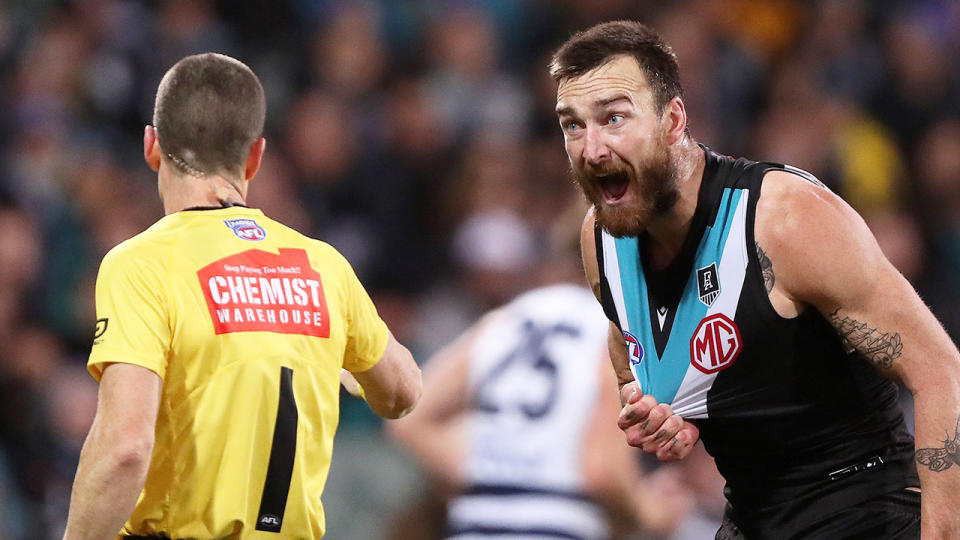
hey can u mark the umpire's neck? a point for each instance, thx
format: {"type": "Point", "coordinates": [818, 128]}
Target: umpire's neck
{"type": "Point", "coordinates": [179, 190]}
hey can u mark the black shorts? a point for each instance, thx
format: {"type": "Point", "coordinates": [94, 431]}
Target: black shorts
{"type": "Point", "coordinates": [894, 516]}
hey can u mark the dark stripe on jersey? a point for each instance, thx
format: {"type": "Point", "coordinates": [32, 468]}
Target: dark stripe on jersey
{"type": "Point", "coordinates": [504, 489]}
{"type": "Point", "coordinates": [280, 470]}
{"type": "Point", "coordinates": [606, 297]}
{"type": "Point", "coordinates": [665, 285]}
{"type": "Point", "coordinates": [510, 532]}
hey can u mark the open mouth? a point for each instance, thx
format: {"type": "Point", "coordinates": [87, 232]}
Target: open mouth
{"type": "Point", "coordinates": [613, 186]}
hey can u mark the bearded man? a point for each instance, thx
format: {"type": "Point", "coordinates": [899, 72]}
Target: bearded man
{"type": "Point", "coordinates": [751, 307]}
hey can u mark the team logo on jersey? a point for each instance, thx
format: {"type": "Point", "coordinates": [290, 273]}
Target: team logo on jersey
{"type": "Point", "coordinates": [634, 348]}
{"type": "Point", "coordinates": [715, 344]}
{"type": "Point", "coordinates": [260, 291]}
{"type": "Point", "coordinates": [246, 229]}
{"type": "Point", "coordinates": [708, 284]}
{"type": "Point", "coordinates": [100, 329]}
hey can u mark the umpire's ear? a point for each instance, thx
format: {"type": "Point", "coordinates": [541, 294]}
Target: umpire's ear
{"type": "Point", "coordinates": [151, 148]}
{"type": "Point", "coordinates": [254, 158]}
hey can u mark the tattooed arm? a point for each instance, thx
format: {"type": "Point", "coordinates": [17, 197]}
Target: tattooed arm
{"type": "Point", "coordinates": [766, 267]}
{"type": "Point", "coordinates": [823, 255]}
{"type": "Point", "coordinates": [881, 348]}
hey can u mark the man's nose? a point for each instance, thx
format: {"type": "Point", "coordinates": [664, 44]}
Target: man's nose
{"type": "Point", "coordinates": [595, 150]}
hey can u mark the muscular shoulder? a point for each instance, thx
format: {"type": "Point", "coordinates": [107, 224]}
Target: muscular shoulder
{"type": "Point", "coordinates": [813, 239]}
{"type": "Point", "coordinates": [588, 250]}
{"type": "Point", "coordinates": [789, 205]}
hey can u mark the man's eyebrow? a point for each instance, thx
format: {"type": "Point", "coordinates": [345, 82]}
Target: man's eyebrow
{"type": "Point", "coordinates": [600, 103]}
{"type": "Point", "coordinates": [607, 101]}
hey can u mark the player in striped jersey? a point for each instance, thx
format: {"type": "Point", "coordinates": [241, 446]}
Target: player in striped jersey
{"type": "Point", "coordinates": [518, 420]}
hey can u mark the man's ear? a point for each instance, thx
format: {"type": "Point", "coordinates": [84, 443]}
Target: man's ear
{"type": "Point", "coordinates": [674, 120]}
{"type": "Point", "coordinates": [151, 148]}
{"type": "Point", "coordinates": [254, 158]}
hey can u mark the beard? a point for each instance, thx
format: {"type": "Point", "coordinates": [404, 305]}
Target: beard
{"type": "Point", "coordinates": [657, 192]}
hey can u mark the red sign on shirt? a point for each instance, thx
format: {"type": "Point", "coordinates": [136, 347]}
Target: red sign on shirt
{"type": "Point", "coordinates": [259, 291]}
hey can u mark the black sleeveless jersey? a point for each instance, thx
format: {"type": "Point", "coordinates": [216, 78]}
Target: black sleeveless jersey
{"type": "Point", "coordinates": [799, 427]}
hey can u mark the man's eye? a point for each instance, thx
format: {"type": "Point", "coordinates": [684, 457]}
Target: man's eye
{"type": "Point", "coordinates": [615, 119]}
{"type": "Point", "coordinates": [572, 126]}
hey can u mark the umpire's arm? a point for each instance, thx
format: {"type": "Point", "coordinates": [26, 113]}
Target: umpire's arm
{"type": "Point", "coordinates": [393, 385]}
{"type": "Point", "coordinates": [116, 455]}
{"type": "Point", "coordinates": [822, 254]}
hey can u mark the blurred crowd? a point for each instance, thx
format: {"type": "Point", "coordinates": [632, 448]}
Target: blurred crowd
{"type": "Point", "coordinates": [418, 137]}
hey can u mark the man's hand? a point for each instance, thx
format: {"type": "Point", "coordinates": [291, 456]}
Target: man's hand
{"type": "Point", "coordinates": [350, 384]}
{"type": "Point", "coordinates": [393, 385]}
{"type": "Point", "coordinates": [653, 427]}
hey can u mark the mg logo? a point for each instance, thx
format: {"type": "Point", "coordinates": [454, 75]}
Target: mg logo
{"type": "Point", "coordinates": [715, 344]}
{"type": "Point", "coordinates": [634, 349]}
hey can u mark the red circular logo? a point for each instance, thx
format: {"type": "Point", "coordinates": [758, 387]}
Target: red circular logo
{"type": "Point", "coordinates": [715, 344]}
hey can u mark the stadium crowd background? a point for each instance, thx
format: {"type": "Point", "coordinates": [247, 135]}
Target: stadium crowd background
{"type": "Point", "coordinates": [418, 137]}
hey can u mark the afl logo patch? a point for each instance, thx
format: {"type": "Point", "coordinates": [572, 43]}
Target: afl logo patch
{"type": "Point", "coordinates": [634, 348]}
{"type": "Point", "coordinates": [269, 523]}
{"type": "Point", "coordinates": [246, 229]}
{"type": "Point", "coordinates": [715, 344]}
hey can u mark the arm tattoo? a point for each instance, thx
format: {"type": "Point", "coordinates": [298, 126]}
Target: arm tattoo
{"type": "Point", "coordinates": [879, 347]}
{"type": "Point", "coordinates": [766, 267]}
{"type": "Point", "coordinates": [941, 459]}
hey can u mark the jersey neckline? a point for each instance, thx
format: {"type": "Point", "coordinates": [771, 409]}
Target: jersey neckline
{"type": "Point", "coordinates": [202, 210]}
{"type": "Point", "coordinates": [698, 224]}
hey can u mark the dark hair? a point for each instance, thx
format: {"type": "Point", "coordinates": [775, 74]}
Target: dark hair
{"type": "Point", "coordinates": [210, 109]}
{"type": "Point", "coordinates": [594, 47]}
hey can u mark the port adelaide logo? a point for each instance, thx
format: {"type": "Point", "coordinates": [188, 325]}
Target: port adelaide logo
{"type": "Point", "coordinates": [246, 229]}
{"type": "Point", "coordinates": [708, 284]}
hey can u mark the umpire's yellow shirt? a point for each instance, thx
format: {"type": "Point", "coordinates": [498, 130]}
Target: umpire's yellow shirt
{"type": "Point", "coordinates": [248, 323]}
